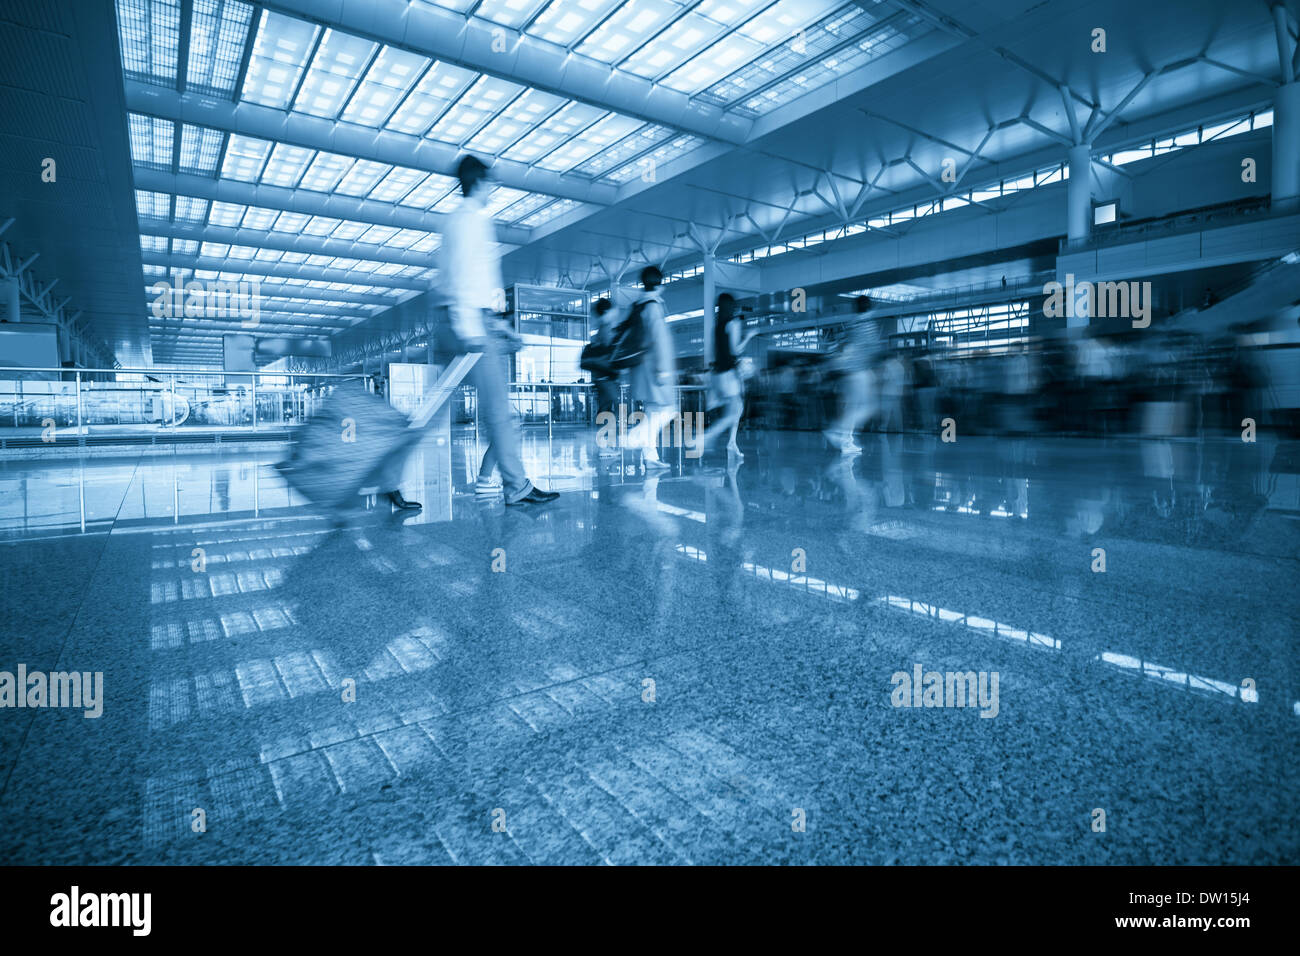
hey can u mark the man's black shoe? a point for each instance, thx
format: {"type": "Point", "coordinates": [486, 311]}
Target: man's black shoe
{"type": "Point", "coordinates": [535, 497]}
{"type": "Point", "coordinates": [403, 504]}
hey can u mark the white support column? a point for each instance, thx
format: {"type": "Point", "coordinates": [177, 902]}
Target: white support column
{"type": "Point", "coordinates": [710, 298]}
{"type": "Point", "coordinates": [1286, 122]}
{"type": "Point", "coordinates": [1079, 194]}
{"type": "Point", "coordinates": [12, 312]}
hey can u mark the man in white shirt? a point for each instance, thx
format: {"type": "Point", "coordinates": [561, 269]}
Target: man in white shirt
{"type": "Point", "coordinates": [470, 277]}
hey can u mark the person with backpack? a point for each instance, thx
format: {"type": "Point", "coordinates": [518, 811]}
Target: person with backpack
{"type": "Point", "coordinates": [645, 345]}
{"type": "Point", "coordinates": [470, 274]}
{"type": "Point", "coordinates": [596, 358]}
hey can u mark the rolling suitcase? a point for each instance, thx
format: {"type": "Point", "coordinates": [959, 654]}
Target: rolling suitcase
{"type": "Point", "coordinates": [357, 436]}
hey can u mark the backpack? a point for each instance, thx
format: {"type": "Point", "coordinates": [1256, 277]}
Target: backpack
{"type": "Point", "coordinates": [631, 339]}
{"type": "Point", "coordinates": [595, 359]}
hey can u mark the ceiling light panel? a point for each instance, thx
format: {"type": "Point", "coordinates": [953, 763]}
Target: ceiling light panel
{"type": "Point", "coordinates": [149, 31]}
{"type": "Point", "coordinates": [226, 214]}
{"type": "Point", "coordinates": [279, 56]}
{"type": "Point", "coordinates": [334, 73]}
{"type": "Point", "coordinates": [564, 22]}
{"type": "Point", "coordinates": [286, 165]}
{"type": "Point", "coordinates": [151, 141]}
{"type": "Point", "coordinates": [434, 187]}
{"type": "Point", "coordinates": [600, 136]}
{"type": "Point", "coordinates": [200, 149]}
{"type": "Point", "coordinates": [218, 32]}
{"type": "Point", "coordinates": [245, 158]}
{"type": "Point", "coordinates": [627, 28]}
{"type": "Point", "coordinates": [325, 171]}
{"type": "Point", "coordinates": [191, 209]}
{"type": "Point", "coordinates": [389, 78]}
{"type": "Point", "coordinates": [644, 138]}
{"type": "Point", "coordinates": [508, 13]}
{"type": "Point", "coordinates": [362, 177]}
{"type": "Point", "coordinates": [397, 184]}
{"type": "Point", "coordinates": [514, 121]}
{"type": "Point", "coordinates": [557, 128]}
{"type": "Point", "coordinates": [687, 36]}
{"type": "Point", "coordinates": [435, 91]}
{"type": "Point", "coordinates": [150, 205]}
{"type": "Point", "coordinates": [486, 97]}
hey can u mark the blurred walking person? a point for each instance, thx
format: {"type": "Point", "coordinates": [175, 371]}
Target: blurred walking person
{"type": "Point", "coordinates": [596, 359]}
{"type": "Point", "coordinates": [470, 274]}
{"type": "Point", "coordinates": [857, 380]}
{"type": "Point", "coordinates": [654, 379]}
{"type": "Point", "coordinates": [726, 386]}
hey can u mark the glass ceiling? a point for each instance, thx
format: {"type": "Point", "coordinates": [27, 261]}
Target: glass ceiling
{"type": "Point", "coordinates": [746, 57]}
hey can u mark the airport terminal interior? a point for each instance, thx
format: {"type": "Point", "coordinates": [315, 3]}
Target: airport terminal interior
{"type": "Point", "coordinates": [919, 381]}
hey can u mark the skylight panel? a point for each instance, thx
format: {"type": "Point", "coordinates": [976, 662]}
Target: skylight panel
{"type": "Point", "coordinates": [151, 141]}
{"type": "Point", "coordinates": [396, 184]}
{"type": "Point", "coordinates": [226, 214]}
{"type": "Point", "coordinates": [325, 172]}
{"type": "Point", "coordinates": [348, 231]}
{"type": "Point", "coordinates": [404, 238]}
{"type": "Point", "coordinates": [552, 131]}
{"type": "Point", "coordinates": [362, 177]}
{"type": "Point", "coordinates": [479, 103]}
{"type": "Point", "coordinates": [294, 258]}
{"type": "Point", "coordinates": [259, 218]}
{"type": "Point", "coordinates": [286, 165]}
{"type": "Point", "coordinates": [153, 243]}
{"type": "Point", "coordinates": [268, 255]}
{"type": "Point", "coordinates": [783, 20]}
{"type": "Point", "coordinates": [279, 56]}
{"type": "Point", "coordinates": [501, 197]}
{"type": "Point", "coordinates": [218, 31]}
{"type": "Point", "coordinates": [149, 31]}
{"type": "Point", "coordinates": [434, 187]}
{"type": "Point", "coordinates": [386, 82]}
{"type": "Point", "coordinates": [508, 13]}
{"type": "Point", "coordinates": [321, 226]}
{"type": "Point", "coordinates": [214, 250]}
{"type": "Point", "coordinates": [429, 243]}
{"type": "Point", "coordinates": [515, 120]}
{"type": "Point", "coordinates": [291, 222]}
{"type": "Point", "coordinates": [662, 155]}
{"type": "Point", "coordinates": [600, 136]}
{"type": "Point", "coordinates": [529, 204]}
{"type": "Point", "coordinates": [242, 252]}
{"type": "Point", "coordinates": [378, 235]}
{"type": "Point", "coordinates": [687, 36]}
{"type": "Point", "coordinates": [184, 247]}
{"type": "Point", "coordinates": [713, 64]}
{"type": "Point", "coordinates": [627, 28]}
{"type": "Point", "coordinates": [245, 158]}
{"type": "Point", "coordinates": [200, 149]}
{"type": "Point", "coordinates": [190, 209]}
{"type": "Point", "coordinates": [625, 148]}
{"type": "Point", "coordinates": [334, 72]}
{"type": "Point", "coordinates": [554, 210]}
{"type": "Point", "coordinates": [389, 268]}
{"type": "Point", "coordinates": [431, 96]}
{"type": "Point", "coordinates": [152, 205]}
{"type": "Point", "coordinates": [564, 22]}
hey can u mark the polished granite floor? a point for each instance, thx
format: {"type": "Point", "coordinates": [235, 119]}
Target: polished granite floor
{"type": "Point", "coordinates": [698, 667]}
